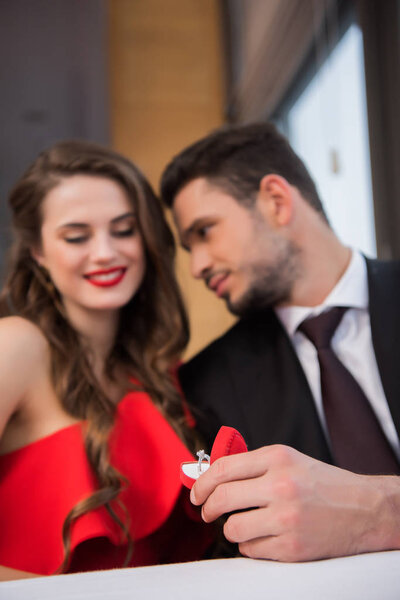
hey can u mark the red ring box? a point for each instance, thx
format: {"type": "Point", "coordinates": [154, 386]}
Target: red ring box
{"type": "Point", "coordinates": [228, 441]}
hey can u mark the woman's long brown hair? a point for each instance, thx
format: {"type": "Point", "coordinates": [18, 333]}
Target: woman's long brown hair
{"type": "Point", "coordinates": [153, 328]}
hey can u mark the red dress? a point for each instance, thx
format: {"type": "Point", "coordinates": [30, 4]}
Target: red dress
{"type": "Point", "coordinates": [42, 481]}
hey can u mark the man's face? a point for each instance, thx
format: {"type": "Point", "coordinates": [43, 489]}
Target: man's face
{"type": "Point", "coordinates": [234, 249]}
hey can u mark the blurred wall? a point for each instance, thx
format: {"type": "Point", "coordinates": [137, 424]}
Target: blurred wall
{"type": "Point", "coordinates": [53, 80]}
{"type": "Point", "coordinates": [166, 90]}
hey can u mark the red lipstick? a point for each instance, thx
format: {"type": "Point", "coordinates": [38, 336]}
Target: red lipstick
{"type": "Point", "coordinates": [106, 277]}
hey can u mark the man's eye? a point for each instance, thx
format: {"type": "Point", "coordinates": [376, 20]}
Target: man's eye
{"type": "Point", "coordinates": [203, 231]}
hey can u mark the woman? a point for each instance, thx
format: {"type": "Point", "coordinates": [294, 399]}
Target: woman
{"type": "Point", "coordinates": [93, 326]}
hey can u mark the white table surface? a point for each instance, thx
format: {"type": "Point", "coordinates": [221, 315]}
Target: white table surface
{"type": "Point", "coordinates": [373, 576]}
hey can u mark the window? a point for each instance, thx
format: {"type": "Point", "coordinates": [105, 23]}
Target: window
{"type": "Point", "coordinates": [327, 126]}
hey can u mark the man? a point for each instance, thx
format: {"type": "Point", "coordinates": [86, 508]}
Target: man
{"type": "Point", "coordinates": [249, 214]}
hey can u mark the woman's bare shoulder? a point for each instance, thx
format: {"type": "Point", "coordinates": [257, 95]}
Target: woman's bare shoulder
{"type": "Point", "coordinates": [24, 353]}
{"type": "Point", "coordinates": [22, 347]}
{"type": "Point", "coordinates": [18, 331]}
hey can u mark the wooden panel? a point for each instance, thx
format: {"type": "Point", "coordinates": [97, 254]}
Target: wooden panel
{"type": "Point", "coordinates": [166, 91]}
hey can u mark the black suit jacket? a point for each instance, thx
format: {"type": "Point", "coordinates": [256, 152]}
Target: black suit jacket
{"type": "Point", "coordinates": [251, 378]}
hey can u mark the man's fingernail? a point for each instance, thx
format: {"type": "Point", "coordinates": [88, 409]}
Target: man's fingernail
{"type": "Point", "coordinates": [192, 496]}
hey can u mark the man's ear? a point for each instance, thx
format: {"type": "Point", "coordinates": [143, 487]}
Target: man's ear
{"type": "Point", "coordinates": [275, 199]}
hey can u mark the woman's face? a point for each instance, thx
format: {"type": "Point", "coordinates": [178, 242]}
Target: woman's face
{"type": "Point", "coordinates": [90, 244]}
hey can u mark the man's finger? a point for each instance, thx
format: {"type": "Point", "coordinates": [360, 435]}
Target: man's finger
{"type": "Point", "coordinates": [269, 547]}
{"type": "Point", "coordinates": [247, 465]}
{"type": "Point", "coordinates": [251, 524]}
{"type": "Point", "coordinates": [235, 495]}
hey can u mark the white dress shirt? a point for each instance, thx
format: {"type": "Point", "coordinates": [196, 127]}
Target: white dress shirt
{"type": "Point", "coordinates": [351, 342]}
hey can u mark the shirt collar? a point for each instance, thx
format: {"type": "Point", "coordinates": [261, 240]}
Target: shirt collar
{"type": "Point", "coordinates": [351, 290]}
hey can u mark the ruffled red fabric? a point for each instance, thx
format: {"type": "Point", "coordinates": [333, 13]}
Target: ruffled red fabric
{"type": "Point", "coordinates": [41, 482]}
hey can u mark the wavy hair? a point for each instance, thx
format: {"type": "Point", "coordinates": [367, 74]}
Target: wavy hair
{"type": "Point", "coordinates": [153, 327]}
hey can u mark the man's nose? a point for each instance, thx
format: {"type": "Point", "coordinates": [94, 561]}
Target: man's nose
{"type": "Point", "coordinates": [200, 262]}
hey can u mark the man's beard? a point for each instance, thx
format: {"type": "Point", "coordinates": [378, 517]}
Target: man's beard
{"type": "Point", "coordinates": [270, 283]}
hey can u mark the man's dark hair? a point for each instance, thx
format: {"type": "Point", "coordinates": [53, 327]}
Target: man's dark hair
{"type": "Point", "coordinates": [235, 159]}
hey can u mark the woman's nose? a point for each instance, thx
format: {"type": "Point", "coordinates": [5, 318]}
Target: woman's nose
{"type": "Point", "coordinates": [103, 248]}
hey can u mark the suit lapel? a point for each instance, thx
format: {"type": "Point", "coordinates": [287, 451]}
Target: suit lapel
{"type": "Point", "coordinates": [384, 306]}
{"type": "Point", "coordinates": [273, 391]}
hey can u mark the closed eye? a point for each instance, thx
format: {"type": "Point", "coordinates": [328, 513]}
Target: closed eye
{"type": "Point", "coordinates": [76, 240]}
{"type": "Point", "coordinates": [121, 233]}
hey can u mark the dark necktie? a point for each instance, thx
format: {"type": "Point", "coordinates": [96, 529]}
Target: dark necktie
{"type": "Point", "coordinates": [357, 440]}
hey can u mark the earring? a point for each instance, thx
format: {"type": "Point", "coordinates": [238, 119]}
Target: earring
{"type": "Point", "coordinates": [49, 285]}
{"type": "Point", "coordinates": [44, 278]}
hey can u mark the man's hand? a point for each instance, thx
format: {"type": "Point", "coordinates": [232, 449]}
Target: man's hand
{"type": "Point", "coordinates": [299, 508]}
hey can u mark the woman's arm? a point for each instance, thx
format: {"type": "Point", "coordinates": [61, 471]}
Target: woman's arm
{"type": "Point", "coordinates": [8, 574]}
{"type": "Point", "coordinates": [21, 349]}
